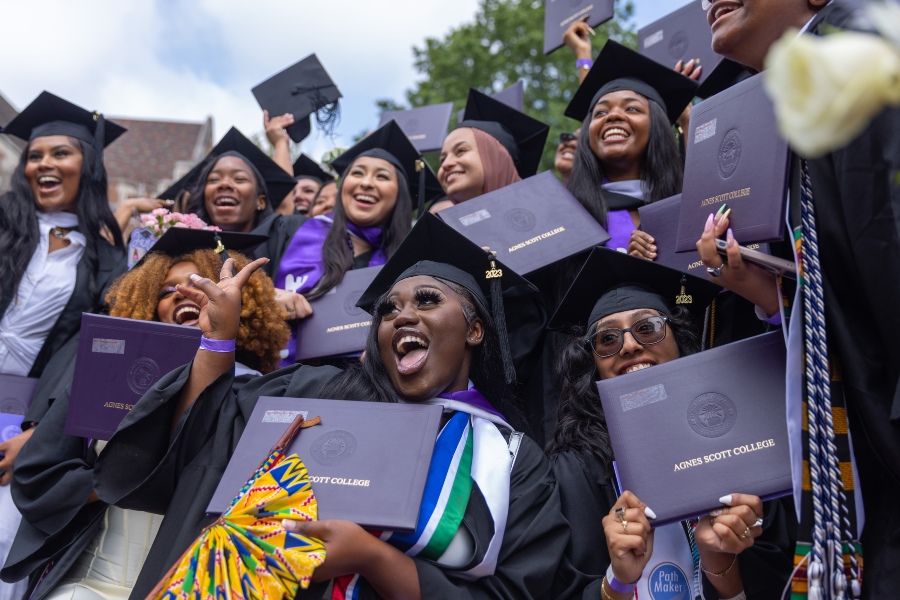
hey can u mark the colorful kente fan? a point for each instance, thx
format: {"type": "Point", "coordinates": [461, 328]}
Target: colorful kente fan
{"type": "Point", "coordinates": [246, 553]}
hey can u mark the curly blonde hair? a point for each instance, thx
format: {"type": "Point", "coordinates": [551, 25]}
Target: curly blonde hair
{"type": "Point", "coordinates": [263, 332]}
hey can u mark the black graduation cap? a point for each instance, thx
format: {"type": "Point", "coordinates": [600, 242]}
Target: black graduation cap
{"type": "Point", "coordinates": [178, 241]}
{"type": "Point", "coordinates": [307, 168]}
{"type": "Point", "coordinates": [278, 183]}
{"type": "Point", "coordinates": [513, 96]}
{"type": "Point", "coordinates": [620, 68]}
{"type": "Point", "coordinates": [303, 89]}
{"type": "Point", "coordinates": [434, 248]}
{"type": "Point", "coordinates": [521, 135]}
{"type": "Point", "coordinates": [612, 281]}
{"type": "Point", "coordinates": [388, 142]}
{"type": "Point", "coordinates": [51, 115]}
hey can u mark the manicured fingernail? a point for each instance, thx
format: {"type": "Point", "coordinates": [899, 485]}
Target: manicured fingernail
{"type": "Point", "coordinates": [717, 512]}
{"type": "Point", "coordinates": [652, 248]}
{"type": "Point", "coordinates": [709, 223]}
{"type": "Point", "coordinates": [698, 69]}
{"type": "Point", "coordinates": [729, 242]}
{"type": "Point", "coordinates": [722, 209]}
{"type": "Point", "coordinates": [725, 499]}
{"type": "Point", "coordinates": [678, 66]}
{"type": "Point", "coordinates": [195, 277]}
{"type": "Point", "coordinates": [725, 214]}
{"type": "Point", "coordinates": [650, 514]}
{"type": "Point", "coordinates": [289, 524]}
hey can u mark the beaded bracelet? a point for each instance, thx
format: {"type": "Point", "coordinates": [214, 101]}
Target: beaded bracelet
{"type": "Point", "coordinates": [723, 573]}
{"type": "Point", "coordinates": [217, 345]}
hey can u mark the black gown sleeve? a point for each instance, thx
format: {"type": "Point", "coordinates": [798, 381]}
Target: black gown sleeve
{"type": "Point", "coordinates": [536, 536]}
{"type": "Point", "coordinates": [53, 383]}
{"type": "Point", "coordinates": [586, 496]}
{"type": "Point", "coordinates": [51, 483]}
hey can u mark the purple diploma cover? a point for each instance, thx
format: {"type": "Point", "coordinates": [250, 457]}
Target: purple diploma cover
{"type": "Point", "coordinates": [687, 432]}
{"type": "Point", "coordinates": [529, 224]}
{"type": "Point", "coordinates": [118, 360]}
{"type": "Point", "coordinates": [425, 126]}
{"type": "Point", "coordinates": [735, 156]}
{"type": "Point", "coordinates": [337, 327]}
{"type": "Point", "coordinates": [559, 14]}
{"type": "Point", "coordinates": [660, 219]}
{"type": "Point", "coordinates": [367, 461]}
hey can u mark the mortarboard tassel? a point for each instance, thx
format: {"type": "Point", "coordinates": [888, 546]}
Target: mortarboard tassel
{"type": "Point", "coordinates": [495, 275]}
{"type": "Point", "coordinates": [220, 247]}
{"type": "Point", "coordinates": [420, 169]}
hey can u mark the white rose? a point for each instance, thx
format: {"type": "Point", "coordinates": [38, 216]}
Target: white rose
{"type": "Point", "coordinates": [827, 89]}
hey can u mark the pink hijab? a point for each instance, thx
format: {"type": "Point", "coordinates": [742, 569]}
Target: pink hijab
{"type": "Point", "coordinates": [499, 170]}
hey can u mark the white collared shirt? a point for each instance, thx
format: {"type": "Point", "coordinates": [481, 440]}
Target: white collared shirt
{"type": "Point", "coordinates": [43, 293]}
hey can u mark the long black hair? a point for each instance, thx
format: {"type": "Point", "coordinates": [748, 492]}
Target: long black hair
{"type": "Point", "coordinates": [336, 253]}
{"type": "Point", "coordinates": [196, 202]}
{"type": "Point", "coordinates": [661, 169]}
{"type": "Point", "coordinates": [580, 423]}
{"type": "Point", "coordinates": [369, 380]}
{"type": "Point", "coordinates": [19, 232]}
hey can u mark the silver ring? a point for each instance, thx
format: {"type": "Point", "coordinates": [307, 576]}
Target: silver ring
{"type": "Point", "coordinates": [758, 523]}
{"type": "Point", "coordinates": [226, 277]}
{"type": "Point", "coordinates": [715, 272]}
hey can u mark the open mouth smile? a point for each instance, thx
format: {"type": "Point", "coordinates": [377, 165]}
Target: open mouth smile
{"type": "Point", "coordinates": [410, 350]}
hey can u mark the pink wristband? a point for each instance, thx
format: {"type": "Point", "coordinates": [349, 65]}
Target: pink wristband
{"type": "Point", "coordinates": [217, 345]}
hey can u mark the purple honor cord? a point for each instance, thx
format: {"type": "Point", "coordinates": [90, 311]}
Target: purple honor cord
{"type": "Point", "coordinates": [473, 397]}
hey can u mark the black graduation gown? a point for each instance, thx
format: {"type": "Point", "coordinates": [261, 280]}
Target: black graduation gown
{"type": "Point", "coordinates": [110, 264]}
{"type": "Point", "coordinates": [588, 495]}
{"type": "Point", "coordinates": [281, 230]}
{"type": "Point", "coordinates": [141, 469]}
{"type": "Point", "coordinates": [51, 482]}
{"type": "Point", "coordinates": [857, 206]}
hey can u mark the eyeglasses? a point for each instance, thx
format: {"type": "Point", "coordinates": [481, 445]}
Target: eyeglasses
{"type": "Point", "coordinates": [646, 332]}
{"type": "Point", "coordinates": [567, 137]}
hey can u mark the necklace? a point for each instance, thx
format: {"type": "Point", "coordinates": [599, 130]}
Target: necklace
{"type": "Point", "coordinates": [59, 232]}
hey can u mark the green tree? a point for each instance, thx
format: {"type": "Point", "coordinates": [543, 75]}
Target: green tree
{"type": "Point", "coordinates": [503, 45]}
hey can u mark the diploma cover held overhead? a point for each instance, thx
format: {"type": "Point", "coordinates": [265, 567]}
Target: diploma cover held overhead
{"type": "Point", "coordinates": [367, 461]}
{"type": "Point", "coordinates": [529, 224]}
{"type": "Point", "coordinates": [736, 156]}
{"type": "Point", "coordinates": [337, 327]}
{"type": "Point", "coordinates": [559, 14]}
{"type": "Point", "coordinates": [687, 432]}
{"type": "Point", "coordinates": [118, 360]}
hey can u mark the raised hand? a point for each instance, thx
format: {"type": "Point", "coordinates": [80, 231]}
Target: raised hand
{"type": "Point", "coordinates": [220, 303]}
{"type": "Point", "coordinates": [629, 537]}
{"type": "Point", "coordinates": [642, 245]}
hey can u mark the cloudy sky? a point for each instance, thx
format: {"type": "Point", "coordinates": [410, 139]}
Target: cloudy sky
{"type": "Point", "coordinates": [185, 60]}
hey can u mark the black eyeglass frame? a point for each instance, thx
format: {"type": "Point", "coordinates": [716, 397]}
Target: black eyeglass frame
{"type": "Point", "coordinates": [591, 341]}
{"type": "Point", "coordinates": [567, 136]}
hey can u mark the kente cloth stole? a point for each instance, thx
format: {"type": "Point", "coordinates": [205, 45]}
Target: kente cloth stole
{"type": "Point", "coordinates": [828, 557]}
{"type": "Point", "coordinates": [447, 490]}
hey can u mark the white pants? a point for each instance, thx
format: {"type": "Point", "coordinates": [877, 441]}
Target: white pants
{"type": "Point", "coordinates": [9, 525]}
{"type": "Point", "coordinates": [110, 565]}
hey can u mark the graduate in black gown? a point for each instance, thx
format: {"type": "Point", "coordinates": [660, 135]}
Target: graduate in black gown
{"type": "Point", "coordinates": [622, 315]}
{"type": "Point", "coordinates": [55, 258]}
{"type": "Point", "coordinates": [856, 211]}
{"type": "Point", "coordinates": [59, 541]}
{"type": "Point", "coordinates": [432, 333]}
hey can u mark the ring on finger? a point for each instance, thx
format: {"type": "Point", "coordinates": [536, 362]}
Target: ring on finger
{"type": "Point", "coordinates": [715, 271]}
{"type": "Point", "coordinates": [625, 527]}
{"type": "Point", "coordinates": [620, 514]}
{"type": "Point", "coordinates": [746, 534]}
{"type": "Point", "coordinates": [224, 277]}
{"type": "Point", "coordinates": [757, 523]}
